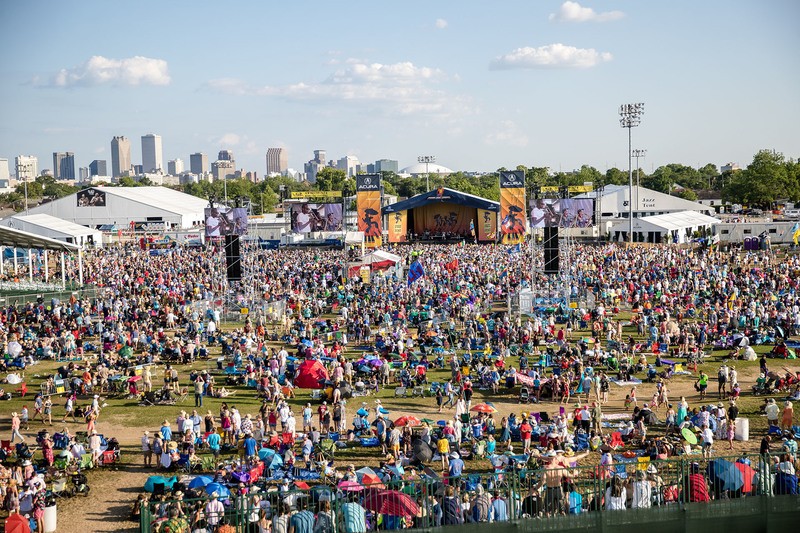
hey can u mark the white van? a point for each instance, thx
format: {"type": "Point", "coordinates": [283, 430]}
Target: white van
{"type": "Point", "coordinates": [792, 213]}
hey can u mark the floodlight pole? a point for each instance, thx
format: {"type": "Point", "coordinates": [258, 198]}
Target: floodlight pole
{"type": "Point", "coordinates": [427, 159]}
{"type": "Point", "coordinates": [637, 154]}
{"type": "Point", "coordinates": [630, 116]}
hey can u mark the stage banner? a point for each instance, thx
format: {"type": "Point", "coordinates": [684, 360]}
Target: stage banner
{"type": "Point", "coordinates": [398, 226]}
{"type": "Point", "coordinates": [437, 219]}
{"type": "Point", "coordinates": [487, 225]}
{"type": "Point", "coordinates": [368, 206]}
{"type": "Point", "coordinates": [512, 206]}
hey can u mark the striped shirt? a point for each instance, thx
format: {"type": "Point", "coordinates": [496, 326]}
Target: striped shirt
{"type": "Point", "coordinates": [354, 518]}
{"type": "Point", "coordinates": [302, 522]}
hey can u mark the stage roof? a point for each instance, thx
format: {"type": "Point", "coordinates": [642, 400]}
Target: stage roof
{"type": "Point", "coordinates": [448, 196]}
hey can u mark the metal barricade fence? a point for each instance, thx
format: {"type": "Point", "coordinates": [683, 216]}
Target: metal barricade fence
{"type": "Point", "coordinates": [704, 487]}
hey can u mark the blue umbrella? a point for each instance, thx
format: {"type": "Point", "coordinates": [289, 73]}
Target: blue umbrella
{"type": "Point", "coordinates": [221, 490]}
{"type": "Point", "coordinates": [441, 423]}
{"type": "Point", "coordinates": [266, 454]}
{"type": "Point", "coordinates": [200, 481]}
{"type": "Point", "coordinates": [725, 474]}
{"type": "Point", "coordinates": [277, 461]}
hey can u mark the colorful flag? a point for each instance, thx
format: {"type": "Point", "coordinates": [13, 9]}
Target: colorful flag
{"type": "Point", "coordinates": [452, 265]}
{"type": "Point", "coordinates": [514, 249]}
{"type": "Point", "coordinates": [415, 271]}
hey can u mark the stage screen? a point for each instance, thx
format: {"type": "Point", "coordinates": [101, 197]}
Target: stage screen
{"type": "Point", "coordinates": [562, 213]}
{"type": "Point", "coordinates": [91, 198]}
{"type": "Point", "coordinates": [308, 217]}
{"type": "Point", "coordinates": [223, 220]}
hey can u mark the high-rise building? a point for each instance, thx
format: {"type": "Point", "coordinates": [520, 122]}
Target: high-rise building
{"type": "Point", "coordinates": [349, 164]}
{"type": "Point", "coordinates": [4, 174]}
{"type": "Point", "coordinates": [223, 169]}
{"type": "Point", "coordinates": [98, 167]}
{"type": "Point", "coordinates": [120, 156]}
{"type": "Point", "coordinates": [64, 165]}
{"type": "Point", "coordinates": [26, 167]}
{"type": "Point", "coordinates": [386, 165]}
{"type": "Point", "coordinates": [175, 167]}
{"type": "Point", "coordinates": [152, 160]}
{"type": "Point", "coordinates": [83, 174]}
{"type": "Point", "coordinates": [277, 161]}
{"type": "Point", "coordinates": [198, 163]}
{"type": "Point", "coordinates": [315, 165]}
{"type": "Point", "coordinates": [225, 155]}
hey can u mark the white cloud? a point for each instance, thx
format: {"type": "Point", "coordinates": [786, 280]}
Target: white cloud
{"type": "Point", "coordinates": [99, 70]}
{"type": "Point", "coordinates": [441, 24]}
{"type": "Point", "coordinates": [550, 56]}
{"type": "Point", "coordinates": [574, 12]}
{"type": "Point", "coordinates": [402, 88]}
{"type": "Point", "coordinates": [229, 139]}
{"type": "Point", "coordinates": [507, 134]}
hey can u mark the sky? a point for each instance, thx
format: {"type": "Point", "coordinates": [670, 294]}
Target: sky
{"type": "Point", "coordinates": [479, 85]}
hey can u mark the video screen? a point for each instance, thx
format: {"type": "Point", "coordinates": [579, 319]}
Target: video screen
{"type": "Point", "coordinates": [562, 213]}
{"type": "Point", "coordinates": [308, 217]}
{"type": "Point", "coordinates": [223, 220]}
{"type": "Point", "coordinates": [91, 198]}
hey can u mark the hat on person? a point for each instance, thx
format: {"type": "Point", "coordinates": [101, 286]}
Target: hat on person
{"type": "Point", "coordinates": [178, 494]}
{"type": "Point", "coordinates": [165, 423]}
{"type": "Point", "coordinates": [454, 455]}
{"type": "Point", "coordinates": [214, 495]}
{"type": "Point", "coordinates": [96, 396]}
{"type": "Point", "coordinates": [94, 432]}
{"type": "Point", "coordinates": [652, 469]}
{"type": "Point", "coordinates": [719, 405]}
{"type": "Point", "coordinates": [147, 432]}
{"type": "Point", "coordinates": [550, 453]}
{"type": "Point", "coordinates": [14, 414]}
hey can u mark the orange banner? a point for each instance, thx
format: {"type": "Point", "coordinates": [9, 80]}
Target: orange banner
{"type": "Point", "coordinates": [368, 206]}
{"type": "Point", "coordinates": [487, 225]}
{"type": "Point", "coordinates": [443, 218]}
{"type": "Point", "coordinates": [398, 226]}
{"type": "Point", "coordinates": [512, 206]}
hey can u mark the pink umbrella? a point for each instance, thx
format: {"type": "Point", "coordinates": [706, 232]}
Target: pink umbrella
{"type": "Point", "coordinates": [350, 486]}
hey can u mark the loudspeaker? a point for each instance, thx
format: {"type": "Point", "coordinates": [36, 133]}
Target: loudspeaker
{"type": "Point", "coordinates": [233, 263]}
{"type": "Point", "coordinates": [551, 250]}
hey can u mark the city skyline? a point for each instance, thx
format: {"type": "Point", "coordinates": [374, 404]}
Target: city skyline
{"type": "Point", "coordinates": [480, 87]}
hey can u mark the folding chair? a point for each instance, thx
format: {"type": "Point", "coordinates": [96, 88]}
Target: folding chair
{"type": "Point", "coordinates": [417, 391]}
{"type": "Point", "coordinates": [616, 440]}
{"type": "Point", "coordinates": [183, 394]}
{"type": "Point", "coordinates": [86, 462]}
{"type": "Point", "coordinates": [400, 392]}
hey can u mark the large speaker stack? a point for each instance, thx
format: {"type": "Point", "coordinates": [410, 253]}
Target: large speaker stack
{"type": "Point", "coordinates": [233, 258]}
{"type": "Point", "coordinates": [551, 250]}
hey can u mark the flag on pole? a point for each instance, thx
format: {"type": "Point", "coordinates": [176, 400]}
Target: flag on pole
{"type": "Point", "coordinates": [452, 265]}
{"type": "Point", "coordinates": [514, 249]}
{"type": "Point", "coordinates": [415, 271]}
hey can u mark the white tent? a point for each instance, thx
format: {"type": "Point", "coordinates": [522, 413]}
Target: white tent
{"type": "Point", "coordinates": [676, 227]}
{"type": "Point", "coordinates": [55, 228]}
{"type": "Point", "coordinates": [377, 260]}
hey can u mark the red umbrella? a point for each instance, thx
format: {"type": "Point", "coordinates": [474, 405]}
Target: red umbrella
{"type": "Point", "coordinates": [747, 475]}
{"type": "Point", "coordinates": [372, 481]}
{"type": "Point", "coordinates": [409, 420]}
{"type": "Point", "coordinates": [483, 408]}
{"type": "Point", "coordinates": [391, 502]}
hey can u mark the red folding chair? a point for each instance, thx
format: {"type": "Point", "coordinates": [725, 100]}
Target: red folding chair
{"type": "Point", "coordinates": [616, 440]}
{"type": "Point", "coordinates": [22, 389]}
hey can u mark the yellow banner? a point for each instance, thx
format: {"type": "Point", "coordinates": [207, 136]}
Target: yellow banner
{"type": "Point", "coordinates": [580, 188]}
{"type": "Point", "coordinates": [398, 226]}
{"type": "Point", "coordinates": [443, 218]}
{"type": "Point", "coordinates": [369, 217]}
{"type": "Point", "coordinates": [549, 188]}
{"type": "Point", "coordinates": [487, 225]}
{"type": "Point", "coordinates": [315, 194]}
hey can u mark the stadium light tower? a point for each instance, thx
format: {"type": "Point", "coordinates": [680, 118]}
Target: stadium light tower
{"type": "Point", "coordinates": [630, 116]}
{"type": "Point", "coordinates": [637, 154]}
{"type": "Point", "coordinates": [427, 159]}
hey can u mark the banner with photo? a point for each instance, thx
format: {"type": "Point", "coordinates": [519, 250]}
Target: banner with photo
{"type": "Point", "coordinates": [91, 198]}
{"type": "Point", "coordinates": [308, 217]}
{"type": "Point", "coordinates": [398, 226]}
{"type": "Point", "coordinates": [439, 219]}
{"type": "Point", "coordinates": [368, 207]}
{"type": "Point", "coordinates": [222, 220]}
{"type": "Point", "coordinates": [512, 206]}
{"type": "Point", "coordinates": [487, 225]}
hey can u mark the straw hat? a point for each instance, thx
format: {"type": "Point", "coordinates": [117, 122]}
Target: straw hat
{"type": "Point", "coordinates": [14, 414]}
{"type": "Point", "coordinates": [652, 469]}
{"type": "Point", "coordinates": [214, 495]}
{"type": "Point", "coordinates": [165, 423]}
{"type": "Point", "coordinates": [146, 433]}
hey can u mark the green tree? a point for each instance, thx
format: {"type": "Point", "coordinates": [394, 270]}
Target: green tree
{"type": "Point", "coordinates": [768, 178]}
{"type": "Point", "coordinates": [615, 176]}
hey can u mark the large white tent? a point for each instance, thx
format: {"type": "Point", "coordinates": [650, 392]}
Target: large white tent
{"type": "Point", "coordinates": [121, 206]}
{"type": "Point", "coordinates": [55, 228]}
{"type": "Point", "coordinates": [675, 228]}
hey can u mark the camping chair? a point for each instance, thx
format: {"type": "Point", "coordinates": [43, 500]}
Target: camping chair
{"type": "Point", "coordinates": [61, 463]}
{"type": "Point", "coordinates": [616, 440]}
{"type": "Point", "coordinates": [581, 442]}
{"type": "Point", "coordinates": [109, 458]}
{"type": "Point", "coordinates": [524, 395]}
{"type": "Point", "coordinates": [22, 389]}
{"type": "Point", "coordinates": [86, 462]}
{"type": "Point", "coordinates": [59, 488]}
{"type": "Point", "coordinates": [183, 394]}
{"type": "Point", "coordinates": [316, 394]}
{"type": "Point", "coordinates": [775, 431]}
{"type": "Point", "coordinates": [400, 392]}
{"type": "Point", "coordinates": [417, 391]}
{"type": "Point", "coordinates": [326, 449]}
{"type": "Point", "coordinates": [148, 398]}
{"type": "Point", "coordinates": [434, 387]}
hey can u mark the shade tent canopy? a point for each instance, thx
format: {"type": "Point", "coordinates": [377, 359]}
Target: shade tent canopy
{"type": "Point", "coordinates": [448, 196]}
{"type": "Point", "coordinates": [311, 375]}
{"type": "Point", "coordinates": [380, 259]}
{"type": "Point", "coordinates": [15, 238]}
{"type": "Point", "coordinates": [54, 228]}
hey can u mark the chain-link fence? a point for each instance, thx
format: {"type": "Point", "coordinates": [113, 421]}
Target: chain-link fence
{"type": "Point", "coordinates": [658, 494]}
{"type": "Point", "coordinates": [85, 292]}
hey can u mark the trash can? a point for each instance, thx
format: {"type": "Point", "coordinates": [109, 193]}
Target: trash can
{"type": "Point", "coordinates": [50, 519]}
{"type": "Point", "coordinates": [742, 431]}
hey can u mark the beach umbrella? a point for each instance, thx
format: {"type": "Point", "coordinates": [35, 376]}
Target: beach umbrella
{"type": "Point", "coordinates": [483, 408]}
{"type": "Point", "coordinates": [372, 481]}
{"type": "Point", "coordinates": [350, 486]}
{"type": "Point", "coordinates": [409, 420]}
{"type": "Point", "coordinates": [689, 436]}
{"type": "Point", "coordinates": [428, 421]}
{"type": "Point", "coordinates": [391, 503]}
{"type": "Point", "coordinates": [747, 476]}
{"type": "Point", "coordinates": [277, 461]}
{"type": "Point", "coordinates": [361, 472]}
{"type": "Point", "coordinates": [266, 454]}
{"type": "Point", "coordinates": [200, 481]}
{"type": "Point", "coordinates": [726, 474]}
{"type": "Point", "coordinates": [221, 490]}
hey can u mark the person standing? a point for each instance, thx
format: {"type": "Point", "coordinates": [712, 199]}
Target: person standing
{"type": "Point", "coordinates": [15, 423]}
{"type": "Point", "coordinates": [69, 409]}
{"type": "Point", "coordinates": [199, 386]}
{"type": "Point", "coordinates": [708, 440]}
{"type": "Point", "coordinates": [147, 449]}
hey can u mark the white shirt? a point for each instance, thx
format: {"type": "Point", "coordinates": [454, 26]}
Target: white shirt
{"type": "Point", "coordinates": [641, 494]}
{"type": "Point", "coordinates": [708, 436]}
{"type": "Point", "coordinates": [616, 504]}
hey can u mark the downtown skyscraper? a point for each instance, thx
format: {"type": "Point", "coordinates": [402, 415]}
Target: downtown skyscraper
{"type": "Point", "coordinates": [152, 159]}
{"type": "Point", "coordinates": [120, 157]}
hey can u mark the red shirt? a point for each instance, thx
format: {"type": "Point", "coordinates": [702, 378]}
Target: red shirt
{"type": "Point", "coordinates": [525, 430]}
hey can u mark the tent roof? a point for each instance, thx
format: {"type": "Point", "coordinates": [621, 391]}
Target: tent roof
{"type": "Point", "coordinates": [680, 220]}
{"type": "Point", "coordinates": [449, 196]}
{"type": "Point", "coordinates": [54, 223]}
{"type": "Point", "coordinates": [22, 239]}
{"type": "Point", "coordinates": [379, 256]}
{"type": "Point", "coordinates": [163, 198]}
